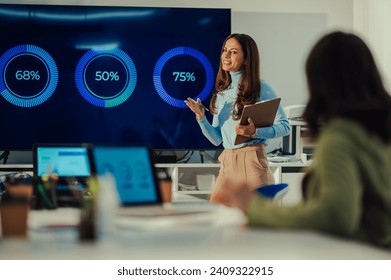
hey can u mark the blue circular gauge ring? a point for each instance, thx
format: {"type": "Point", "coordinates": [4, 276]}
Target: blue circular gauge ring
{"type": "Point", "coordinates": [95, 99]}
{"type": "Point", "coordinates": [48, 89]}
{"type": "Point", "coordinates": [182, 51]}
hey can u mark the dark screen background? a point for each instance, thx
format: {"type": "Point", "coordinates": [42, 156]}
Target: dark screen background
{"type": "Point", "coordinates": [145, 34]}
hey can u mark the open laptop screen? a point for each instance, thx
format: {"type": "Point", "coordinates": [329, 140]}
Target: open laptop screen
{"type": "Point", "coordinates": [65, 161]}
{"type": "Point", "coordinates": [133, 172]}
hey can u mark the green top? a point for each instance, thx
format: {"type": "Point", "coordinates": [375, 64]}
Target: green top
{"type": "Point", "coordinates": [348, 191]}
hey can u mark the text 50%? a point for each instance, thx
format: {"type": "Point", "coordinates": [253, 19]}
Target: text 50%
{"type": "Point", "coordinates": [106, 76]}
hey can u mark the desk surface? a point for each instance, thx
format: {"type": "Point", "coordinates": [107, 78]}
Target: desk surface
{"type": "Point", "coordinates": [17, 167]}
{"type": "Point", "coordinates": [223, 237]}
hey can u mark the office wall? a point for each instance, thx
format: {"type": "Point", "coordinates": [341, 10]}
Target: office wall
{"type": "Point", "coordinates": [372, 21]}
{"type": "Point", "coordinates": [284, 30]}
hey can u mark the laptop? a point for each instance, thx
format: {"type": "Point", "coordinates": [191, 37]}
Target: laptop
{"type": "Point", "coordinates": [71, 162]}
{"type": "Point", "coordinates": [133, 171]}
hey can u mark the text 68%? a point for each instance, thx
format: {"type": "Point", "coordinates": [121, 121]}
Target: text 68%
{"type": "Point", "coordinates": [27, 75]}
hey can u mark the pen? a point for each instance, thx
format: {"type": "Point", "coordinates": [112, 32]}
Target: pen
{"type": "Point", "coordinates": [202, 106]}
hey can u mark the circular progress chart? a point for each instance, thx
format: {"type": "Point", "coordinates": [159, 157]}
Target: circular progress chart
{"type": "Point", "coordinates": [104, 78]}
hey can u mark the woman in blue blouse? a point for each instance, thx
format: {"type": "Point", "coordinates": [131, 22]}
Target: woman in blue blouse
{"type": "Point", "coordinates": [238, 83]}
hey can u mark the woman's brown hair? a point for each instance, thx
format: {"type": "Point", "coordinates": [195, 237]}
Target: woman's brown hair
{"type": "Point", "coordinates": [249, 88]}
{"type": "Point", "coordinates": [344, 81]}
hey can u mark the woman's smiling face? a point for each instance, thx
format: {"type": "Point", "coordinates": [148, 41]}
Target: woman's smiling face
{"type": "Point", "coordinates": [232, 57]}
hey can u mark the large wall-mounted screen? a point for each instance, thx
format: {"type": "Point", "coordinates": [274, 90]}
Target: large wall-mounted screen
{"type": "Point", "coordinates": [107, 75]}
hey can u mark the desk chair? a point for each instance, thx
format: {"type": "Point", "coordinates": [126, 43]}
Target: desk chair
{"type": "Point", "coordinates": [274, 192]}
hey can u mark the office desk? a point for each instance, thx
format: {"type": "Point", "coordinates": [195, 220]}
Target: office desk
{"type": "Point", "coordinates": [224, 237]}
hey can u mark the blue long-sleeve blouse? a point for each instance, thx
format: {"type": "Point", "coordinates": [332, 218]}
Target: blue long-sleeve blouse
{"type": "Point", "coordinates": [222, 129]}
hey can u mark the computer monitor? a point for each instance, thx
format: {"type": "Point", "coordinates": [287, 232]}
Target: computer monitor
{"type": "Point", "coordinates": [71, 166]}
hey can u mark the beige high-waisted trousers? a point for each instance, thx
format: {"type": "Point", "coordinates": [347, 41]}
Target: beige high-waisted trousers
{"type": "Point", "coordinates": [247, 165]}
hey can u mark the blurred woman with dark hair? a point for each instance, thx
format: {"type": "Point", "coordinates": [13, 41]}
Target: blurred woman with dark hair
{"type": "Point", "coordinates": [347, 189]}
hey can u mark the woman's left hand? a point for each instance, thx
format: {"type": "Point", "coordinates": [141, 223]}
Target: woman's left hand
{"type": "Point", "coordinates": [233, 194]}
{"type": "Point", "coordinates": [246, 130]}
